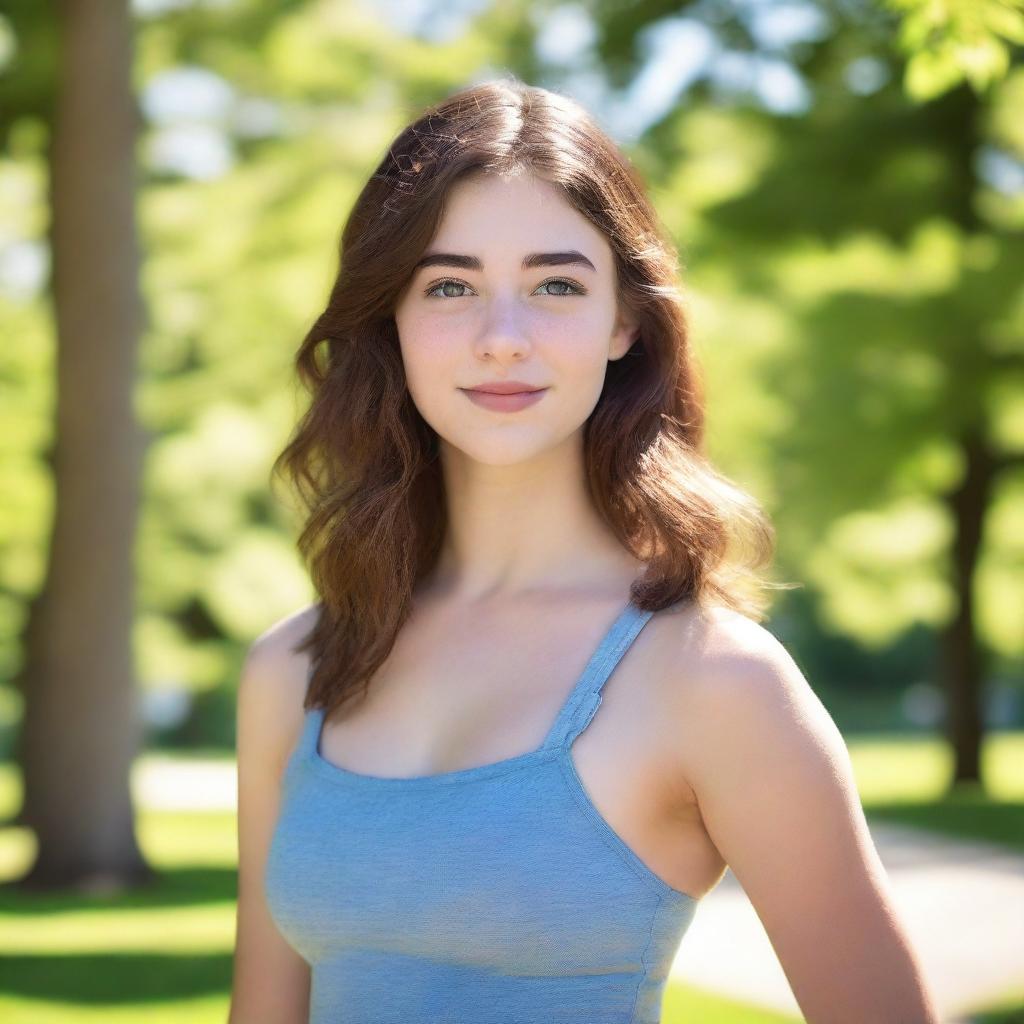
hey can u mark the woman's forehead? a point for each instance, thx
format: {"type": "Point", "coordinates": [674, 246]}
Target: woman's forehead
{"type": "Point", "coordinates": [512, 220]}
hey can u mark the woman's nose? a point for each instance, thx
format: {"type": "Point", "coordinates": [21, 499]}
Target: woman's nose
{"type": "Point", "coordinates": [505, 332]}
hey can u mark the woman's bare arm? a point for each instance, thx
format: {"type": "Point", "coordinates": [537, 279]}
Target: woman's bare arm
{"type": "Point", "coordinates": [775, 786]}
{"type": "Point", "coordinates": [271, 980]}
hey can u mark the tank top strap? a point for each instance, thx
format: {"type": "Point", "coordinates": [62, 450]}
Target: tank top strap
{"type": "Point", "coordinates": [585, 697]}
{"type": "Point", "coordinates": [311, 719]}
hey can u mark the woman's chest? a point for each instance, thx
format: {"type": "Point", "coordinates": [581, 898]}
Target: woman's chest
{"type": "Point", "coordinates": [436, 708]}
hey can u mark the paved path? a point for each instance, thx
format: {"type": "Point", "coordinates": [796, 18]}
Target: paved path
{"type": "Point", "coordinates": [961, 902]}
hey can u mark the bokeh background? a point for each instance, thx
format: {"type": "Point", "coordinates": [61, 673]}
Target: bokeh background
{"type": "Point", "coordinates": [844, 180]}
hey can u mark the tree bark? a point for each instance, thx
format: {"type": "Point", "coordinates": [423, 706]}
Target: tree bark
{"type": "Point", "coordinates": [959, 117]}
{"type": "Point", "coordinates": [81, 729]}
{"type": "Point", "coordinates": [963, 660]}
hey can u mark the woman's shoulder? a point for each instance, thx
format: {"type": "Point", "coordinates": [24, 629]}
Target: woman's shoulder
{"type": "Point", "coordinates": [725, 674]}
{"type": "Point", "coordinates": [739, 702]}
{"type": "Point", "coordinates": [273, 653]}
{"type": "Point", "coordinates": [273, 680]}
{"type": "Point", "coordinates": [714, 647]}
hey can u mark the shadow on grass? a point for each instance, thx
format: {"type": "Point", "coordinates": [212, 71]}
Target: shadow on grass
{"type": "Point", "coordinates": [177, 887]}
{"type": "Point", "coordinates": [115, 978]}
{"type": "Point", "coordinates": [966, 815]}
{"type": "Point", "coordinates": [1003, 1015]}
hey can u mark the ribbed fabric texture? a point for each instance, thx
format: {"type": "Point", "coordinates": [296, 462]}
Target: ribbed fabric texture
{"type": "Point", "coordinates": [491, 895]}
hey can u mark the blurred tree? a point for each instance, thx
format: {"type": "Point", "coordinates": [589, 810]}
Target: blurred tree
{"type": "Point", "coordinates": [866, 249]}
{"type": "Point", "coordinates": [899, 250]}
{"type": "Point", "coordinates": [80, 730]}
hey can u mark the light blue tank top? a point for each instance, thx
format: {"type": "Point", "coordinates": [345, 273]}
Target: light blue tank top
{"type": "Point", "coordinates": [489, 895]}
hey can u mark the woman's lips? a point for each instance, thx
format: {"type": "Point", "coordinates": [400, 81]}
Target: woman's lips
{"type": "Point", "coordinates": [504, 403]}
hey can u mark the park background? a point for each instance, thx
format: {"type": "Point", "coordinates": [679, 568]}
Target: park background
{"type": "Point", "coordinates": [844, 180]}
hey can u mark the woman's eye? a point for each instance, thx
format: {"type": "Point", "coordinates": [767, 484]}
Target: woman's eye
{"type": "Point", "coordinates": [430, 292]}
{"type": "Point", "coordinates": [571, 286]}
{"type": "Point", "coordinates": [574, 289]}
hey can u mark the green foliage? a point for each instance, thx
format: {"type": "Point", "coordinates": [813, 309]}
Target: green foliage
{"type": "Point", "coordinates": [857, 284]}
{"type": "Point", "coordinates": [950, 41]}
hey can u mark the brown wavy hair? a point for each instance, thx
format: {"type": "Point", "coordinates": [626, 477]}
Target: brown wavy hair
{"type": "Point", "coordinates": [365, 463]}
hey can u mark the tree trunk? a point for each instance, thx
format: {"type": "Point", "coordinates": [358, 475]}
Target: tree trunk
{"type": "Point", "coordinates": [962, 657]}
{"type": "Point", "coordinates": [959, 117]}
{"type": "Point", "coordinates": [81, 728]}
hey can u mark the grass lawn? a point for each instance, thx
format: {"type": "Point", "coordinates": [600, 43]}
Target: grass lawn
{"type": "Point", "coordinates": [164, 954]}
{"type": "Point", "coordinates": [1008, 1011]}
{"type": "Point", "coordinates": [904, 780]}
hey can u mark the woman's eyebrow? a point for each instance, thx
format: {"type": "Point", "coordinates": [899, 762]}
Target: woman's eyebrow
{"type": "Point", "coordinates": [536, 259]}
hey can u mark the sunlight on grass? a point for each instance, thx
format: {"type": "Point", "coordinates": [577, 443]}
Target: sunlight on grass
{"type": "Point", "coordinates": [904, 781]}
{"type": "Point", "coordinates": [208, 1010]}
{"type": "Point", "coordinates": [170, 929]}
{"type": "Point", "coordinates": [918, 768]}
{"type": "Point", "coordinates": [685, 1005]}
{"type": "Point", "coordinates": [172, 838]}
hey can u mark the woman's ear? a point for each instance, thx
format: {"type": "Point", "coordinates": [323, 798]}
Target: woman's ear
{"type": "Point", "coordinates": [627, 330]}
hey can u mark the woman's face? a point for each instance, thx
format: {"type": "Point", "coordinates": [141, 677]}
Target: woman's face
{"type": "Point", "coordinates": [483, 317]}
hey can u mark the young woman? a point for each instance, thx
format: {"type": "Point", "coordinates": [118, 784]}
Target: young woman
{"type": "Point", "coordinates": [533, 715]}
